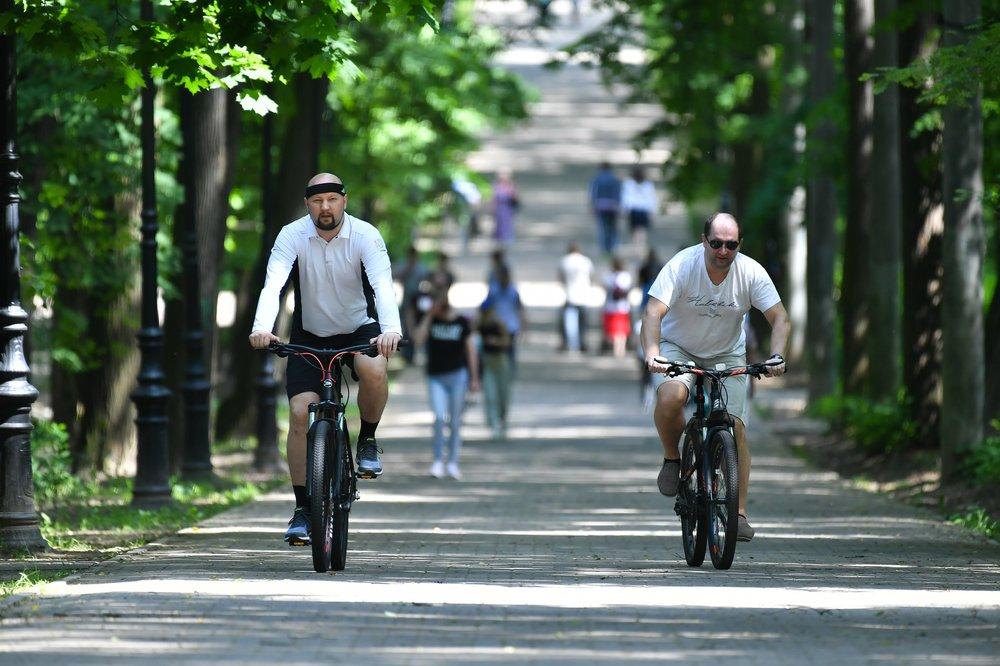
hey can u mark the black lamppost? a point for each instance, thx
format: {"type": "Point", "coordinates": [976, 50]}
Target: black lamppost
{"type": "Point", "coordinates": [18, 518]}
{"type": "Point", "coordinates": [266, 457]}
{"type": "Point", "coordinates": [197, 462]}
{"type": "Point", "coordinates": [152, 486]}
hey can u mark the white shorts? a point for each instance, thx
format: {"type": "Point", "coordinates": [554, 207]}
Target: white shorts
{"type": "Point", "coordinates": [734, 390]}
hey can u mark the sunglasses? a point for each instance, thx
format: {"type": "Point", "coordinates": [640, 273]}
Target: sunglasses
{"type": "Point", "coordinates": [715, 244]}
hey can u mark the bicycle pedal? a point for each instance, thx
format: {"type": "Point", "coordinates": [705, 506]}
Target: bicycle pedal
{"type": "Point", "coordinates": [295, 543]}
{"type": "Point", "coordinates": [367, 474]}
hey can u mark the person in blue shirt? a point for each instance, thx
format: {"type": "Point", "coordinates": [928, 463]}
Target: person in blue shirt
{"type": "Point", "coordinates": [605, 202]}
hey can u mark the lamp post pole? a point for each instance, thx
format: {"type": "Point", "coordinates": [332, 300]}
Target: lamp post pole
{"type": "Point", "coordinates": [18, 519]}
{"type": "Point", "coordinates": [152, 485]}
{"type": "Point", "coordinates": [266, 457]}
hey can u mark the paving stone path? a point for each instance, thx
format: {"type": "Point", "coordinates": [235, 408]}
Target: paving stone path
{"type": "Point", "coordinates": [555, 547]}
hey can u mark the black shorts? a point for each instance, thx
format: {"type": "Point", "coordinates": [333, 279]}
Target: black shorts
{"type": "Point", "coordinates": [638, 219]}
{"type": "Point", "coordinates": [302, 376]}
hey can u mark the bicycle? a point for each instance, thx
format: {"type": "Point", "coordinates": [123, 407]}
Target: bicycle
{"type": "Point", "coordinates": [708, 494]}
{"type": "Point", "coordinates": [331, 479]}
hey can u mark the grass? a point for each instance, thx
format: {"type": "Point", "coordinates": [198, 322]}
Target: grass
{"type": "Point", "coordinates": [978, 520]}
{"type": "Point", "coordinates": [28, 579]}
{"type": "Point", "coordinates": [104, 519]}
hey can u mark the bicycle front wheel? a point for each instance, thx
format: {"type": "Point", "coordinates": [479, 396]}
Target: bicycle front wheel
{"type": "Point", "coordinates": [320, 495]}
{"type": "Point", "coordinates": [723, 498]}
{"type": "Point", "coordinates": [343, 494]}
{"type": "Point", "coordinates": [693, 531]}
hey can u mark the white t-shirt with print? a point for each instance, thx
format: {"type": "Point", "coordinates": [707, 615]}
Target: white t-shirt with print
{"type": "Point", "coordinates": [704, 319]}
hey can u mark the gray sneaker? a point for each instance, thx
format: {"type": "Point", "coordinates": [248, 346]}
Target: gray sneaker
{"type": "Point", "coordinates": [743, 530]}
{"type": "Point", "coordinates": [298, 528]}
{"type": "Point", "coordinates": [669, 477]}
{"type": "Point", "coordinates": [369, 462]}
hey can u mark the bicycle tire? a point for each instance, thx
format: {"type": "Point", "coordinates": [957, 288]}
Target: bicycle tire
{"type": "Point", "coordinates": [341, 491]}
{"type": "Point", "coordinates": [693, 535]}
{"type": "Point", "coordinates": [723, 499]}
{"type": "Point", "coordinates": [320, 496]}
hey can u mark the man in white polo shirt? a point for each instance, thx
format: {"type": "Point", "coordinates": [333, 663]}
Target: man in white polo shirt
{"type": "Point", "coordinates": [343, 296]}
{"type": "Point", "coordinates": [695, 313]}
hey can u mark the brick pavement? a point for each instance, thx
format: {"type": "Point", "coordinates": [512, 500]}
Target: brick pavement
{"type": "Point", "coordinates": [556, 547]}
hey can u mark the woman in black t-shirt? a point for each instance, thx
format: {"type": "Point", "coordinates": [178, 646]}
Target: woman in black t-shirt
{"type": "Point", "coordinates": [452, 369]}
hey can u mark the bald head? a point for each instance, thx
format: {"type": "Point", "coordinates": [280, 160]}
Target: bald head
{"type": "Point", "coordinates": [324, 178]}
{"type": "Point", "coordinates": [719, 222]}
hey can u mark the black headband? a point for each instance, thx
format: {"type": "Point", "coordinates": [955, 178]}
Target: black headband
{"type": "Point", "coordinates": [320, 188]}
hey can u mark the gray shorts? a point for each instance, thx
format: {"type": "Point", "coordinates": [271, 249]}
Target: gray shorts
{"type": "Point", "coordinates": [734, 391]}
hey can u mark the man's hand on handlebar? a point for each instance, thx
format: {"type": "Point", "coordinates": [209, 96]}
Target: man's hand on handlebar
{"type": "Point", "coordinates": [657, 364]}
{"type": "Point", "coordinates": [775, 365]}
{"type": "Point", "coordinates": [387, 343]}
{"type": "Point", "coordinates": [261, 339]}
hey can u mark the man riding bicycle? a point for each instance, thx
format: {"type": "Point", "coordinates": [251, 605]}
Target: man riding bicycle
{"type": "Point", "coordinates": [343, 296]}
{"type": "Point", "coordinates": [695, 313]}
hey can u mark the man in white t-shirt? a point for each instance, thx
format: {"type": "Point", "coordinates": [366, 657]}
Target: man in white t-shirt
{"type": "Point", "coordinates": [343, 297]}
{"type": "Point", "coordinates": [695, 313]}
{"type": "Point", "coordinates": [576, 272]}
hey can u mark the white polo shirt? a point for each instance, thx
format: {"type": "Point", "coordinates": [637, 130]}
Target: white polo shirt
{"type": "Point", "coordinates": [341, 283]}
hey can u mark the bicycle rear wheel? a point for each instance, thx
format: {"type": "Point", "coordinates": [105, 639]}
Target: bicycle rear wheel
{"type": "Point", "coordinates": [723, 498]}
{"type": "Point", "coordinates": [320, 495]}
{"type": "Point", "coordinates": [692, 515]}
{"type": "Point", "coordinates": [343, 494]}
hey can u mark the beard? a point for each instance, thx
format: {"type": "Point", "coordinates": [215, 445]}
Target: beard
{"type": "Point", "coordinates": [328, 226]}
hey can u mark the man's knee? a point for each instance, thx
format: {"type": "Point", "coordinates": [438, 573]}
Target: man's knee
{"type": "Point", "coordinates": [298, 407]}
{"type": "Point", "coordinates": [371, 370]}
{"type": "Point", "coordinates": [670, 397]}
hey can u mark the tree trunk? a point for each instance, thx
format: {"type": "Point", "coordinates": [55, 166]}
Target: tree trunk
{"type": "Point", "coordinates": [858, 43]}
{"type": "Point", "coordinates": [886, 227]}
{"type": "Point", "coordinates": [821, 211]}
{"type": "Point", "coordinates": [794, 214]}
{"type": "Point", "coordinates": [962, 157]}
{"type": "Point", "coordinates": [298, 163]}
{"type": "Point", "coordinates": [992, 404]}
{"type": "Point", "coordinates": [920, 185]}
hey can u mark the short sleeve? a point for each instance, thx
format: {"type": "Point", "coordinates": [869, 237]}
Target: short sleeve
{"type": "Point", "coordinates": [763, 294]}
{"type": "Point", "coordinates": [664, 287]}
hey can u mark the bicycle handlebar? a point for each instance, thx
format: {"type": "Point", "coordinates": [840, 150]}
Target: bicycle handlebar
{"type": "Point", "coordinates": [754, 369]}
{"type": "Point", "coordinates": [284, 349]}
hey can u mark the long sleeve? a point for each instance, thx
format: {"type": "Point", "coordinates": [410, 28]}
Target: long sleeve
{"type": "Point", "coordinates": [378, 269]}
{"type": "Point", "coordinates": [279, 265]}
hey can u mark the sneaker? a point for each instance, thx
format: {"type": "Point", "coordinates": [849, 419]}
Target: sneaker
{"type": "Point", "coordinates": [453, 471]}
{"type": "Point", "coordinates": [437, 469]}
{"type": "Point", "coordinates": [369, 463]}
{"type": "Point", "coordinates": [297, 533]}
{"type": "Point", "coordinates": [669, 477]}
{"type": "Point", "coordinates": [743, 530]}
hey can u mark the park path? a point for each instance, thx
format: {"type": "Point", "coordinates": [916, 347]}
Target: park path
{"type": "Point", "coordinates": [555, 547]}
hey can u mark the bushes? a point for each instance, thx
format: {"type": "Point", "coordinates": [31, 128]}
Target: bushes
{"type": "Point", "coordinates": [983, 462]}
{"type": "Point", "coordinates": [875, 427]}
{"type": "Point", "coordinates": [51, 467]}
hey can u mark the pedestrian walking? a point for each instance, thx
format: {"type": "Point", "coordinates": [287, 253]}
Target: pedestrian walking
{"type": "Point", "coordinates": [505, 206]}
{"type": "Point", "coordinates": [605, 202]}
{"type": "Point", "coordinates": [496, 344]}
{"type": "Point", "coordinates": [576, 272]}
{"type": "Point", "coordinates": [468, 199]}
{"type": "Point", "coordinates": [639, 202]}
{"type": "Point", "coordinates": [497, 259]}
{"type": "Point", "coordinates": [647, 275]}
{"type": "Point", "coordinates": [617, 311]}
{"type": "Point", "coordinates": [505, 299]}
{"type": "Point", "coordinates": [452, 371]}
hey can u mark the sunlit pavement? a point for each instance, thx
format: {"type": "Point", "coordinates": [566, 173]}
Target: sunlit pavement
{"type": "Point", "coordinates": [555, 547]}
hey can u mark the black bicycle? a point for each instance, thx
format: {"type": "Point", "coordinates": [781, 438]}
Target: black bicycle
{"type": "Point", "coordinates": [331, 480]}
{"type": "Point", "coordinates": [708, 495]}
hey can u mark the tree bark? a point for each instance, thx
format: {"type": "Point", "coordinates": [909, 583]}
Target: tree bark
{"type": "Point", "coordinates": [964, 247]}
{"type": "Point", "coordinates": [921, 212]}
{"type": "Point", "coordinates": [884, 338]}
{"type": "Point", "coordinates": [821, 208]}
{"type": "Point", "coordinates": [858, 46]}
{"type": "Point", "coordinates": [298, 163]}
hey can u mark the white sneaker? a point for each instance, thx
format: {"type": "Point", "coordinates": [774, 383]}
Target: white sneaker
{"type": "Point", "coordinates": [437, 469]}
{"type": "Point", "coordinates": [453, 471]}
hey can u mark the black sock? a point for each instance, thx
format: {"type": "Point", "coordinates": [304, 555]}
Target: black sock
{"type": "Point", "coordinates": [367, 429]}
{"type": "Point", "coordinates": [301, 496]}
{"type": "Point", "coordinates": [676, 460]}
